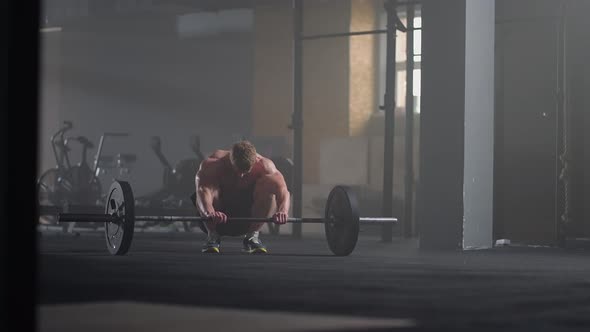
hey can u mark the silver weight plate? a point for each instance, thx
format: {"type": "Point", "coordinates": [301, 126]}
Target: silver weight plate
{"type": "Point", "coordinates": [120, 202]}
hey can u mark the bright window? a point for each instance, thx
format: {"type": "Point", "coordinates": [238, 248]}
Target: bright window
{"type": "Point", "coordinates": [401, 54]}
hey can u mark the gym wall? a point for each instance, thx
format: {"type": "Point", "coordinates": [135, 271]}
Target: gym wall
{"type": "Point", "coordinates": [338, 74]}
{"type": "Point", "coordinates": [138, 74]}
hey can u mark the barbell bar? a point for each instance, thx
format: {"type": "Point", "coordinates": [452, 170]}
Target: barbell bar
{"type": "Point", "coordinates": [89, 217]}
{"type": "Point", "coordinates": [341, 219]}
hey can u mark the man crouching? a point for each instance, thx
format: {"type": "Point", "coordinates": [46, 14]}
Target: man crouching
{"type": "Point", "coordinates": [239, 183]}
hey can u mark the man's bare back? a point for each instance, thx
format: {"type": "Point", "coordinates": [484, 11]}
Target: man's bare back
{"type": "Point", "coordinates": [218, 170]}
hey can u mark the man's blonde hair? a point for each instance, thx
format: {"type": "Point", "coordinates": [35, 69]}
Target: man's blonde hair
{"type": "Point", "coordinates": [243, 155]}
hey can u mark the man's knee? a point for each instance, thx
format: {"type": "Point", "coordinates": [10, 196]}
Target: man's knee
{"type": "Point", "coordinates": [264, 206]}
{"type": "Point", "coordinates": [264, 202]}
{"type": "Point", "coordinates": [265, 197]}
{"type": "Point", "coordinates": [264, 189]}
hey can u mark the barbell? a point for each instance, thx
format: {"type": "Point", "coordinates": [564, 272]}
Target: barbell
{"type": "Point", "coordinates": [341, 219]}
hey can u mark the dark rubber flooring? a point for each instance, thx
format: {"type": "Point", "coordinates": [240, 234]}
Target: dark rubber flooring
{"type": "Point", "coordinates": [515, 289]}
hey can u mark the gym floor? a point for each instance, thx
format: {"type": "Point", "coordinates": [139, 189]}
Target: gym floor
{"type": "Point", "coordinates": [165, 284]}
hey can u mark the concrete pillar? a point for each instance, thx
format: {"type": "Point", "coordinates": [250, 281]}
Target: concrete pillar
{"type": "Point", "coordinates": [454, 205]}
{"type": "Point", "coordinates": [479, 124]}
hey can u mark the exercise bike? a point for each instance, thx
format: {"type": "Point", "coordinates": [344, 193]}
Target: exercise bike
{"type": "Point", "coordinates": [66, 184]}
{"type": "Point", "coordinates": [178, 182]}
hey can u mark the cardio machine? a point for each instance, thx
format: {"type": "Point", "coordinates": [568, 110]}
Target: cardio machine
{"type": "Point", "coordinates": [178, 182]}
{"type": "Point", "coordinates": [67, 184]}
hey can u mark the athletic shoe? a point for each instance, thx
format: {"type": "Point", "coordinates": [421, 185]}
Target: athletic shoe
{"type": "Point", "coordinates": [252, 245]}
{"type": "Point", "coordinates": [211, 246]}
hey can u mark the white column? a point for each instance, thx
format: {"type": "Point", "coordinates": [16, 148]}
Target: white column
{"type": "Point", "coordinates": [454, 201]}
{"type": "Point", "coordinates": [479, 124]}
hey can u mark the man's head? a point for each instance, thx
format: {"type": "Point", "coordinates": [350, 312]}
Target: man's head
{"type": "Point", "coordinates": [242, 156]}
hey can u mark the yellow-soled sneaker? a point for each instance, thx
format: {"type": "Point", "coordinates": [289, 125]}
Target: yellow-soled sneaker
{"type": "Point", "coordinates": [211, 247]}
{"type": "Point", "coordinates": [252, 245]}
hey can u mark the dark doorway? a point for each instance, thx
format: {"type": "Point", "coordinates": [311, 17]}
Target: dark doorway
{"type": "Point", "coordinates": [526, 130]}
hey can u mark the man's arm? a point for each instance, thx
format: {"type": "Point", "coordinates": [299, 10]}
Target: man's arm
{"type": "Point", "coordinates": [206, 188]}
{"type": "Point", "coordinates": [282, 194]}
{"type": "Point", "coordinates": [279, 188]}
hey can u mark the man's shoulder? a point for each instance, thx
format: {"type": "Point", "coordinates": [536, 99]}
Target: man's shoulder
{"type": "Point", "coordinates": [218, 154]}
{"type": "Point", "coordinates": [267, 165]}
{"type": "Point", "coordinates": [214, 160]}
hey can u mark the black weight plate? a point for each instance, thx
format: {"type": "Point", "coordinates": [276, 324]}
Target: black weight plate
{"type": "Point", "coordinates": [120, 202]}
{"type": "Point", "coordinates": [342, 221]}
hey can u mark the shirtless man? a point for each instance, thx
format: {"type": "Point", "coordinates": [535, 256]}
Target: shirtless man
{"type": "Point", "coordinates": [239, 183]}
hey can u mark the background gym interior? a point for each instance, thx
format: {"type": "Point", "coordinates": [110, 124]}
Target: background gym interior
{"type": "Point", "coordinates": [463, 119]}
